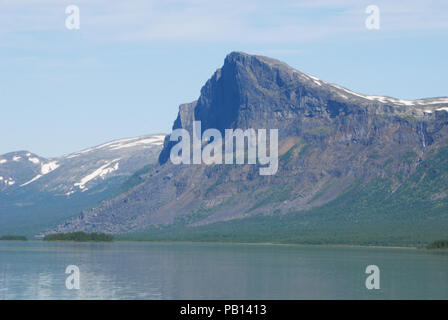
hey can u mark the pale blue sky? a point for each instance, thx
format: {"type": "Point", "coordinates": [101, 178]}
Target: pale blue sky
{"type": "Point", "coordinates": [132, 63]}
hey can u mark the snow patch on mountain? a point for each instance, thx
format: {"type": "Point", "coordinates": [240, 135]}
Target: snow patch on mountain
{"type": "Point", "coordinates": [101, 172]}
{"type": "Point", "coordinates": [316, 80]}
{"type": "Point", "coordinates": [32, 180]}
{"type": "Point", "coordinates": [70, 193]}
{"type": "Point", "coordinates": [2, 161]}
{"type": "Point", "coordinates": [151, 141]}
{"type": "Point", "coordinates": [395, 101]}
{"type": "Point", "coordinates": [48, 167]}
{"type": "Point", "coordinates": [34, 160]}
{"type": "Point", "coordinates": [7, 181]}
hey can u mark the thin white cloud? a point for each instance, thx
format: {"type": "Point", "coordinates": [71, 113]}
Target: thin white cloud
{"type": "Point", "coordinates": [248, 21]}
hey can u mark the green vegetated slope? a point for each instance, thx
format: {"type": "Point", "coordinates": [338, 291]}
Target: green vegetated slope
{"type": "Point", "coordinates": [376, 213]}
{"type": "Point", "coordinates": [32, 213]}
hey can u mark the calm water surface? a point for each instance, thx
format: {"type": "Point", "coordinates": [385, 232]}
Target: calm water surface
{"type": "Point", "coordinates": [134, 270]}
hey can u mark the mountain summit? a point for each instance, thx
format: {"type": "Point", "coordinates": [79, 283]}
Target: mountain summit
{"type": "Point", "coordinates": [260, 92]}
{"type": "Point", "coordinates": [348, 163]}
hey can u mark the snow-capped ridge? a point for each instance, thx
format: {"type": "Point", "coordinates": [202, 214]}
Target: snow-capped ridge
{"type": "Point", "coordinates": [319, 83]}
{"type": "Point", "coordinates": [150, 140]}
{"type": "Point", "coordinates": [395, 101]}
{"type": "Point", "coordinates": [82, 170]}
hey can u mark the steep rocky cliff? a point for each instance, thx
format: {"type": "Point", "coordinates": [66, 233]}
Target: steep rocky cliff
{"type": "Point", "coordinates": [360, 158]}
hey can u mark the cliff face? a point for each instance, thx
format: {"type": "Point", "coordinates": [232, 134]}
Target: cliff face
{"type": "Point", "coordinates": [331, 141]}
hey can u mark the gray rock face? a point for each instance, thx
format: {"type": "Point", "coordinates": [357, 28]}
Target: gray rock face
{"type": "Point", "coordinates": [329, 139]}
{"type": "Point", "coordinates": [55, 187]}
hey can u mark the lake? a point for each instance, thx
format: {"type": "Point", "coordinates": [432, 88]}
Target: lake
{"type": "Point", "coordinates": [145, 270]}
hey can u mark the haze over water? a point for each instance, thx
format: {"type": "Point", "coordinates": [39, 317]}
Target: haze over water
{"type": "Point", "coordinates": [143, 270]}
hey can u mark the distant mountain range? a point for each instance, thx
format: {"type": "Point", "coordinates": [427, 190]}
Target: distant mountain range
{"type": "Point", "coordinates": [353, 168]}
{"type": "Point", "coordinates": [36, 192]}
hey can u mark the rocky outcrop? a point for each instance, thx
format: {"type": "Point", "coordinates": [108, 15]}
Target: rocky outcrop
{"type": "Point", "coordinates": [330, 139]}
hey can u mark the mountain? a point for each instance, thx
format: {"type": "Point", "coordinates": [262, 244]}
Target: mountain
{"type": "Point", "coordinates": [353, 168]}
{"type": "Point", "coordinates": [36, 192]}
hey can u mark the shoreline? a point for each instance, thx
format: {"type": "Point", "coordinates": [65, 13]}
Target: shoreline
{"type": "Point", "coordinates": [232, 243]}
{"type": "Point", "coordinates": [276, 244]}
